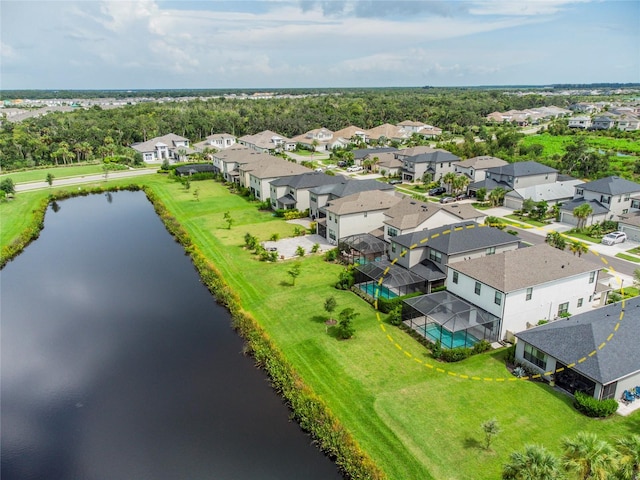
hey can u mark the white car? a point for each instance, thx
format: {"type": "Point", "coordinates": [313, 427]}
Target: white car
{"type": "Point", "coordinates": [355, 168]}
{"type": "Point", "coordinates": [614, 237]}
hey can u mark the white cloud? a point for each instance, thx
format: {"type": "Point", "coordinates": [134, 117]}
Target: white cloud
{"type": "Point", "coordinates": [518, 7]}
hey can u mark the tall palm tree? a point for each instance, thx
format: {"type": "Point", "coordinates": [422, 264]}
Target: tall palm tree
{"type": "Point", "coordinates": [589, 457]}
{"type": "Point", "coordinates": [578, 247]}
{"type": "Point", "coordinates": [496, 197]}
{"type": "Point", "coordinates": [448, 180]}
{"type": "Point", "coordinates": [534, 463]}
{"type": "Point", "coordinates": [629, 463]}
{"type": "Point", "coordinates": [581, 213]}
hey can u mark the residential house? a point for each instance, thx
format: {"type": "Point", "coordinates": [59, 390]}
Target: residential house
{"type": "Point", "coordinates": [386, 133]}
{"type": "Point", "coordinates": [629, 223]}
{"type": "Point", "coordinates": [268, 142]}
{"type": "Point", "coordinates": [361, 154]}
{"type": "Point", "coordinates": [628, 123]}
{"type": "Point", "coordinates": [260, 174]}
{"type": "Point", "coordinates": [427, 131]}
{"type": "Point", "coordinates": [357, 213]}
{"type": "Point", "coordinates": [594, 352]}
{"type": "Point", "coordinates": [581, 121]}
{"type": "Point", "coordinates": [609, 197]}
{"type": "Point", "coordinates": [319, 139]}
{"type": "Point", "coordinates": [169, 147]}
{"type": "Point", "coordinates": [437, 163]}
{"type": "Point", "coordinates": [320, 196]}
{"type": "Point", "coordinates": [226, 161]}
{"type": "Point", "coordinates": [411, 215]}
{"type": "Point", "coordinates": [294, 192]}
{"type": "Point", "coordinates": [475, 168]}
{"type": "Point", "coordinates": [558, 192]}
{"type": "Point", "coordinates": [386, 163]}
{"type": "Point", "coordinates": [352, 134]}
{"type": "Point", "coordinates": [515, 175]}
{"type": "Point", "coordinates": [525, 286]}
{"type": "Point", "coordinates": [584, 107]}
{"type": "Point", "coordinates": [219, 141]}
{"type": "Point", "coordinates": [603, 122]}
{"type": "Point", "coordinates": [412, 151]}
{"type": "Point", "coordinates": [428, 252]}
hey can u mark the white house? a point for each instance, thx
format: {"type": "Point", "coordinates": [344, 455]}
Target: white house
{"type": "Point", "coordinates": [581, 121]}
{"type": "Point", "coordinates": [475, 168]}
{"type": "Point", "coordinates": [219, 141]}
{"type": "Point", "coordinates": [437, 162]}
{"type": "Point", "coordinates": [358, 213]}
{"type": "Point", "coordinates": [594, 352]}
{"type": "Point", "coordinates": [294, 192]}
{"type": "Point", "coordinates": [257, 176]}
{"type": "Point", "coordinates": [169, 147]}
{"type": "Point", "coordinates": [524, 286]}
{"type": "Point", "coordinates": [268, 142]}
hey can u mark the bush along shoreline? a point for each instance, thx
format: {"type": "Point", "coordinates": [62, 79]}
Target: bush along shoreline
{"type": "Point", "coordinates": [307, 408]}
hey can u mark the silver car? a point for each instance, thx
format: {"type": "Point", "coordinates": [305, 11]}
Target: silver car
{"type": "Point", "coordinates": [614, 237]}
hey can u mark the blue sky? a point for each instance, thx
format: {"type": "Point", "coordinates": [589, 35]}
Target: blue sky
{"type": "Point", "coordinates": [50, 44]}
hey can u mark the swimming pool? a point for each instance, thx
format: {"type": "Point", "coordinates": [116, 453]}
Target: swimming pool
{"type": "Point", "coordinates": [381, 291]}
{"type": "Point", "coordinates": [435, 332]}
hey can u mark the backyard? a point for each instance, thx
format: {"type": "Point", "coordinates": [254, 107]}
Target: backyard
{"type": "Point", "coordinates": [416, 418]}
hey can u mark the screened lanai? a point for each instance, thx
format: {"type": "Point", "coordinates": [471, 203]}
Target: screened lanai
{"type": "Point", "coordinates": [447, 318]}
{"type": "Point", "coordinates": [396, 281]}
{"type": "Point", "coordinates": [362, 248]}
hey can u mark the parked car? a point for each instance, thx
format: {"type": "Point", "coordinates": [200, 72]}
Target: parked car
{"type": "Point", "coordinates": [354, 168]}
{"type": "Point", "coordinates": [437, 191]}
{"type": "Point", "coordinates": [395, 181]}
{"type": "Point", "coordinates": [447, 200]}
{"type": "Point", "coordinates": [614, 237]}
{"type": "Point", "coordinates": [342, 164]}
{"type": "Point", "coordinates": [462, 196]}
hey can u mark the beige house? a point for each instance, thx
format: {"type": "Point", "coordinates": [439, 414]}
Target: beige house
{"type": "Point", "coordinates": [475, 168]}
{"type": "Point", "coordinates": [387, 132]}
{"type": "Point", "coordinates": [351, 134]}
{"type": "Point", "coordinates": [226, 162]}
{"type": "Point", "coordinates": [358, 213]}
{"type": "Point", "coordinates": [268, 142]}
{"type": "Point", "coordinates": [256, 176]}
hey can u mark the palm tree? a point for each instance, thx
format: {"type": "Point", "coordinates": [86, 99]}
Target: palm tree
{"type": "Point", "coordinates": [581, 213]}
{"type": "Point", "coordinates": [578, 247]}
{"type": "Point", "coordinates": [629, 462]}
{"type": "Point", "coordinates": [448, 180]}
{"type": "Point", "coordinates": [460, 183]}
{"type": "Point", "coordinates": [496, 197]}
{"type": "Point", "coordinates": [589, 457]}
{"type": "Point", "coordinates": [534, 463]}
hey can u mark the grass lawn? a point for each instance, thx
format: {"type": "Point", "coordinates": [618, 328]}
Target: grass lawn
{"type": "Point", "coordinates": [582, 236]}
{"type": "Point", "coordinates": [630, 258]}
{"type": "Point", "coordinates": [58, 172]}
{"type": "Point", "coordinates": [528, 221]}
{"type": "Point", "coordinates": [414, 420]}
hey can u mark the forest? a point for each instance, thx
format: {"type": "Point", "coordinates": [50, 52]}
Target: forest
{"type": "Point", "coordinates": [97, 133]}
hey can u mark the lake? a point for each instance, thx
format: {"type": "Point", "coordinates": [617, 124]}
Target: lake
{"type": "Point", "coordinates": [117, 363]}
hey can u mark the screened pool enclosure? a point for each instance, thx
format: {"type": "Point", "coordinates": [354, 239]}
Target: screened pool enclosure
{"type": "Point", "coordinates": [450, 320]}
{"type": "Point", "coordinates": [362, 248]}
{"type": "Point", "coordinates": [396, 281]}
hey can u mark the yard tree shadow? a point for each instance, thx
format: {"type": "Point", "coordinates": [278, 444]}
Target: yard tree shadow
{"type": "Point", "coordinates": [319, 318]}
{"type": "Point", "coordinates": [471, 443]}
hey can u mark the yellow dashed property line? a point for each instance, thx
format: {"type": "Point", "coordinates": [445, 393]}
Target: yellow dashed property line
{"type": "Point", "coordinates": [486, 379]}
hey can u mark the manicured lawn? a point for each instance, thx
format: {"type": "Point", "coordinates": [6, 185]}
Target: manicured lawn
{"type": "Point", "coordinates": [631, 258]}
{"type": "Point", "coordinates": [582, 236]}
{"type": "Point", "coordinates": [528, 221]}
{"type": "Point", "coordinates": [414, 421]}
{"type": "Point", "coordinates": [58, 172]}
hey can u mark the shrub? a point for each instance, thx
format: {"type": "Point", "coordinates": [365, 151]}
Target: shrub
{"type": "Point", "coordinates": [300, 251]}
{"type": "Point", "coordinates": [455, 354]}
{"type": "Point", "coordinates": [481, 347]}
{"type": "Point", "coordinates": [345, 279]}
{"type": "Point", "coordinates": [395, 316]}
{"type": "Point", "coordinates": [510, 356]}
{"type": "Point", "coordinates": [274, 237]}
{"type": "Point", "coordinates": [331, 255]}
{"type": "Point", "coordinates": [315, 248]}
{"type": "Point", "coordinates": [592, 407]}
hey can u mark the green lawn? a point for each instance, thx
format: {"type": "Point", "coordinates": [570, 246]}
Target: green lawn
{"type": "Point", "coordinates": [58, 172]}
{"type": "Point", "coordinates": [526, 220]}
{"type": "Point", "coordinates": [414, 421]}
{"type": "Point", "coordinates": [630, 258]}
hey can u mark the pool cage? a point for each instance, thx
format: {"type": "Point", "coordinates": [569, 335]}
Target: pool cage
{"type": "Point", "coordinates": [396, 281]}
{"type": "Point", "coordinates": [362, 248]}
{"type": "Point", "coordinates": [447, 318]}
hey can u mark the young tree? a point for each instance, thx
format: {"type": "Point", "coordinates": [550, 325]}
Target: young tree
{"type": "Point", "coordinates": [528, 204]}
{"type": "Point", "coordinates": [196, 194]}
{"type": "Point", "coordinates": [228, 219]}
{"type": "Point", "coordinates": [582, 212]}
{"type": "Point", "coordinates": [490, 429]}
{"type": "Point", "coordinates": [49, 178]}
{"type": "Point", "coordinates": [345, 326]}
{"type": "Point", "coordinates": [330, 305]}
{"type": "Point", "coordinates": [578, 247]}
{"type": "Point", "coordinates": [7, 186]}
{"type": "Point", "coordinates": [589, 457]}
{"type": "Point", "coordinates": [496, 196]}
{"type": "Point", "coordinates": [556, 240]}
{"type": "Point", "coordinates": [448, 179]}
{"type": "Point", "coordinates": [534, 463]}
{"type": "Point", "coordinates": [294, 272]}
{"type": "Point", "coordinates": [300, 251]}
{"type": "Point", "coordinates": [481, 194]}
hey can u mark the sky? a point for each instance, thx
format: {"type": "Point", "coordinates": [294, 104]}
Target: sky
{"type": "Point", "coordinates": [153, 44]}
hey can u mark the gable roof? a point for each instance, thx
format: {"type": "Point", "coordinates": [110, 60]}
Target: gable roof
{"type": "Point", "coordinates": [522, 169]}
{"type": "Point", "coordinates": [351, 186]}
{"type": "Point", "coordinates": [437, 156]}
{"type": "Point", "coordinates": [274, 169]}
{"type": "Point", "coordinates": [596, 207]}
{"type": "Point", "coordinates": [388, 131]}
{"type": "Point", "coordinates": [264, 139]}
{"type": "Point", "coordinates": [349, 132]}
{"type": "Point", "coordinates": [573, 338]}
{"type": "Point", "coordinates": [360, 153]}
{"type": "Point", "coordinates": [482, 162]}
{"type": "Point", "coordinates": [367, 201]}
{"type": "Point", "coordinates": [411, 213]}
{"type": "Point", "coordinates": [506, 271]}
{"type": "Point", "coordinates": [611, 186]}
{"type": "Point", "coordinates": [410, 152]}
{"type": "Point", "coordinates": [169, 140]}
{"type": "Point", "coordinates": [549, 192]}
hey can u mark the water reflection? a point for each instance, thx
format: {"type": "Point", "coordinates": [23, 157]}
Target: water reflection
{"type": "Point", "coordinates": [117, 363]}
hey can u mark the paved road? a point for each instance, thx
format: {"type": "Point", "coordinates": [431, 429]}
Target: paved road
{"type": "Point", "coordinates": [63, 182]}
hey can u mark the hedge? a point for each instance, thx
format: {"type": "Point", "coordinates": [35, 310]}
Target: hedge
{"type": "Point", "coordinates": [592, 407]}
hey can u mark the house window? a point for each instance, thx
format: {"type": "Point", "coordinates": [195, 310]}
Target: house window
{"type": "Point", "coordinates": [535, 356]}
{"type": "Point", "coordinates": [635, 203]}
{"type": "Point", "coordinates": [491, 250]}
{"type": "Point", "coordinates": [477, 288]}
{"type": "Point", "coordinates": [625, 210]}
{"type": "Point", "coordinates": [592, 277]}
{"type": "Point", "coordinates": [563, 309]}
{"type": "Point", "coordinates": [330, 218]}
{"type": "Point", "coordinates": [392, 232]}
{"type": "Point", "coordinates": [393, 247]}
{"type": "Point", "coordinates": [313, 198]}
{"type": "Point", "coordinates": [365, 214]}
{"type": "Point", "coordinates": [579, 191]}
{"type": "Point", "coordinates": [497, 299]}
{"type": "Point", "coordinates": [332, 234]}
{"type": "Point", "coordinates": [529, 293]}
{"type": "Point", "coordinates": [609, 391]}
{"type": "Point", "coordinates": [435, 256]}
{"type": "Point", "coordinates": [579, 302]}
{"type": "Point", "coordinates": [455, 277]}
{"type": "Point", "coordinates": [627, 197]}
{"type": "Point", "coordinates": [605, 199]}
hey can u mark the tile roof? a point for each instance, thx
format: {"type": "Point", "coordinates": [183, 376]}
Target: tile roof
{"type": "Point", "coordinates": [506, 271]}
{"type": "Point", "coordinates": [274, 169]}
{"type": "Point", "coordinates": [573, 338]}
{"type": "Point", "coordinates": [611, 185]}
{"type": "Point", "coordinates": [388, 131]}
{"type": "Point", "coordinates": [360, 153]}
{"type": "Point", "coordinates": [309, 180]}
{"type": "Point", "coordinates": [349, 132]}
{"type": "Point", "coordinates": [411, 213]}
{"type": "Point", "coordinates": [150, 145]}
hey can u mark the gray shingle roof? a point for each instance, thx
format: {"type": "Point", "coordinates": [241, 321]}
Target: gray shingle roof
{"type": "Point", "coordinates": [438, 156]}
{"type": "Point", "coordinates": [506, 271]}
{"type": "Point", "coordinates": [522, 169]}
{"type": "Point", "coordinates": [611, 186]}
{"type": "Point", "coordinates": [596, 207]}
{"type": "Point", "coordinates": [360, 153]}
{"type": "Point", "coordinates": [351, 186]}
{"type": "Point", "coordinates": [571, 339]}
{"type": "Point", "coordinates": [308, 180]}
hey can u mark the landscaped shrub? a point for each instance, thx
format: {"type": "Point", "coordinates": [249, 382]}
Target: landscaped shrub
{"type": "Point", "coordinates": [385, 305]}
{"type": "Point", "coordinates": [395, 316]}
{"type": "Point", "coordinates": [510, 355]}
{"type": "Point", "coordinates": [345, 279]}
{"type": "Point", "coordinates": [481, 347]}
{"type": "Point", "coordinates": [331, 255]}
{"type": "Point", "coordinates": [592, 407]}
{"type": "Point", "coordinates": [455, 354]}
{"type": "Point", "coordinates": [315, 248]}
